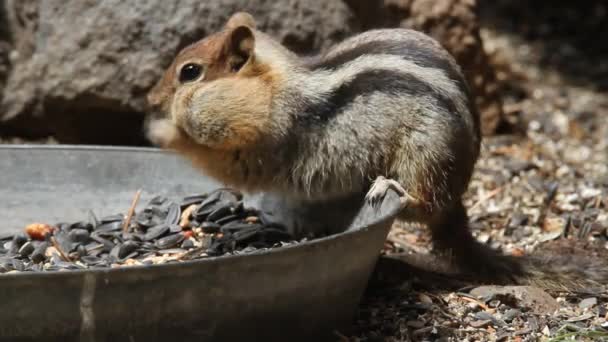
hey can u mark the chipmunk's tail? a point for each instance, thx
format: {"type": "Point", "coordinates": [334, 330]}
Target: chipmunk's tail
{"type": "Point", "coordinates": [563, 272]}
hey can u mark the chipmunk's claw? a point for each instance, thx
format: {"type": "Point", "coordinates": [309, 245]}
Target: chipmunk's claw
{"type": "Point", "coordinates": [379, 188]}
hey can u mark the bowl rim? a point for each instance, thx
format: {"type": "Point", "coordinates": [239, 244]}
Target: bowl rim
{"type": "Point", "coordinates": [379, 220]}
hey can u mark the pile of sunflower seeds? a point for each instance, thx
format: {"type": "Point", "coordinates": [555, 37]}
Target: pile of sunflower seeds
{"type": "Point", "coordinates": [165, 231]}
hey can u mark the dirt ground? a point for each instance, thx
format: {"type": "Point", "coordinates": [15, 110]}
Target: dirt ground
{"type": "Point", "coordinates": [542, 190]}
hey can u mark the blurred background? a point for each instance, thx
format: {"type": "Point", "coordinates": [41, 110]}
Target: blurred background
{"type": "Point", "coordinates": [76, 71]}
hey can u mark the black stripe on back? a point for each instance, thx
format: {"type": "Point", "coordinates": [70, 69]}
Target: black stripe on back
{"type": "Point", "coordinates": [410, 50]}
{"type": "Point", "coordinates": [367, 83]}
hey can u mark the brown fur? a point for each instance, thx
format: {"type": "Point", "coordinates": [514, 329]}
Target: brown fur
{"type": "Point", "coordinates": [262, 119]}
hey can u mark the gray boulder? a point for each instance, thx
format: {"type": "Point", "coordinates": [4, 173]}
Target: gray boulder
{"type": "Point", "coordinates": [81, 69]}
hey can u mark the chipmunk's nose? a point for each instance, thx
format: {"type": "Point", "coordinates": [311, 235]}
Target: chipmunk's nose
{"type": "Point", "coordinates": [155, 104]}
{"type": "Point", "coordinates": [153, 100]}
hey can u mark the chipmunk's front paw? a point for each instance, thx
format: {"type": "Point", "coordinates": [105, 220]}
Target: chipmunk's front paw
{"type": "Point", "coordinates": [378, 190]}
{"type": "Point", "coordinates": [162, 132]}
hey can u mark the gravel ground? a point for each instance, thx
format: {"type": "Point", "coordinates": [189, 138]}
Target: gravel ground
{"type": "Point", "coordinates": [544, 189]}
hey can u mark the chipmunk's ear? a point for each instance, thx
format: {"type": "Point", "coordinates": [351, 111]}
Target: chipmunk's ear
{"type": "Point", "coordinates": [239, 46]}
{"type": "Point", "coordinates": [240, 19]}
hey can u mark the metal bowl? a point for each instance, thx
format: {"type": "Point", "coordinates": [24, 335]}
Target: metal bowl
{"type": "Point", "coordinates": [303, 292]}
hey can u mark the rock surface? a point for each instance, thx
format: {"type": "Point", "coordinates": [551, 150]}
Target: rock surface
{"type": "Point", "coordinates": [79, 70]}
{"type": "Point", "coordinates": [94, 61]}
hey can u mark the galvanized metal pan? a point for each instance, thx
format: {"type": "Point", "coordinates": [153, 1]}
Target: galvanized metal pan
{"type": "Point", "coordinates": [296, 293]}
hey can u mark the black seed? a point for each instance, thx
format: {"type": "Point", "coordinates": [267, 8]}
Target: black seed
{"type": "Point", "coordinates": [81, 250]}
{"type": "Point", "coordinates": [187, 244]}
{"type": "Point", "coordinates": [174, 214]}
{"type": "Point", "coordinates": [156, 232]}
{"type": "Point", "coordinates": [133, 255]}
{"type": "Point", "coordinates": [108, 245]}
{"type": "Point", "coordinates": [128, 236]}
{"type": "Point", "coordinates": [127, 248]}
{"type": "Point", "coordinates": [192, 199]}
{"type": "Point", "coordinates": [109, 226]}
{"type": "Point", "coordinates": [212, 198]}
{"type": "Point", "coordinates": [235, 226]}
{"type": "Point", "coordinates": [175, 228]}
{"type": "Point", "coordinates": [114, 253]}
{"type": "Point", "coordinates": [137, 237]}
{"type": "Point", "coordinates": [210, 227]}
{"type": "Point", "coordinates": [169, 241]}
{"type": "Point", "coordinates": [220, 212]}
{"type": "Point", "coordinates": [150, 217]}
{"type": "Point", "coordinates": [112, 218]}
{"type": "Point", "coordinates": [26, 249]}
{"type": "Point", "coordinates": [79, 235]}
{"type": "Point", "coordinates": [226, 194]}
{"type": "Point", "coordinates": [38, 254]}
{"type": "Point", "coordinates": [81, 225]}
{"type": "Point", "coordinates": [19, 240]}
{"type": "Point", "coordinates": [246, 234]}
{"type": "Point", "coordinates": [64, 241]}
{"type": "Point", "coordinates": [91, 260]}
{"type": "Point", "coordinates": [204, 210]}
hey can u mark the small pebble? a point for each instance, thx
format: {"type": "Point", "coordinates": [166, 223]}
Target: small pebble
{"type": "Point", "coordinates": [511, 314]}
{"type": "Point", "coordinates": [587, 303]}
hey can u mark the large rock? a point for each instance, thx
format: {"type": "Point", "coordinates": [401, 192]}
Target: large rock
{"type": "Point", "coordinates": [93, 61]}
{"type": "Point", "coordinates": [80, 69]}
{"type": "Point", "coordinates": [5, 46]}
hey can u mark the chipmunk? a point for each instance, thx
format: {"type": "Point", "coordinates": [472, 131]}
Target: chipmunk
{"type": "Point", "coordinates": [387, 108]}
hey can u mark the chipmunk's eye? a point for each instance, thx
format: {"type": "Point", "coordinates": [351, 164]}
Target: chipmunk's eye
{"type": "Point", "coordinates": [190, 72]}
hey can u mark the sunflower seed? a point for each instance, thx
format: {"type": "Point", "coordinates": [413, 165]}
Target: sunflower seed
{"type": "Point", "coordinates": [38, 255]}
{"type": "Point", "coordinates": [192, 199]}
{"type": "Point", "coordinates": [26, 249]}
{"type": "Point", "coordinates": [156, 232]}
{"type": "Point", "coordinates": [109, 226]}
{"type": "Point", "coordinates": [79, 235]}
{"type": "Point", "coordinates": [220, 212]}
{"type": "Point", "coordinates": [174, 214]}
{"type": "Point", "coordinates": [210, 227]}
{"type": "Point", "coordinates": [175, 228]}
{"type": "Point", "coordinates": [127, 248]}
{"type": "Point", "coordinates": [187, 244]}
{"type": "Point", "coordinates": [169, 241]}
